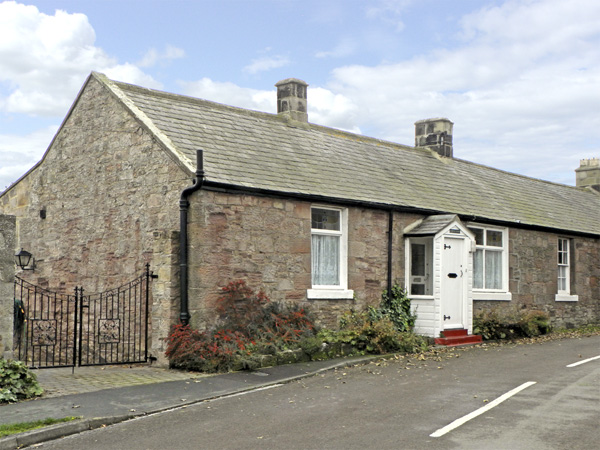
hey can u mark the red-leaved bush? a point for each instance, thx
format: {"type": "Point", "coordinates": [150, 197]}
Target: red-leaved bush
{"type": "Point", "coordinates": [249, 324]}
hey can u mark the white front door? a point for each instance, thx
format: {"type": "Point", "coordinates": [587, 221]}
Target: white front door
{"type": "Point", "coordinates": [453, 292]}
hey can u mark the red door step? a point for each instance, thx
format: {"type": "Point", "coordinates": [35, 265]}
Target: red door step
{"type": "Point", "coordinates": [457, 337]}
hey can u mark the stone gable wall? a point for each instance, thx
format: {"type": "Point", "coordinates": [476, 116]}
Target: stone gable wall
{"type": "Point", "coordinates": [7, 278]}
{"type": "Point", "coordinates": [110, 198]}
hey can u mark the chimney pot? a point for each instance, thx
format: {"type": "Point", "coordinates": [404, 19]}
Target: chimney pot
{"type": "Point", "coordinates": [291, 99]}
{"type": "Point", "coordinates": [435, 134]}
{"type": "Point", "coordinates": [588, 174]}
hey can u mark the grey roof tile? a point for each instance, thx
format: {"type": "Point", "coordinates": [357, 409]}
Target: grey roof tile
{"type": "Point", "coordinates": [263, 151]}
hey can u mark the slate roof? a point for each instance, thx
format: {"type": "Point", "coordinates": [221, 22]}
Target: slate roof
{"type": "Point", "coordinates": [258, 150]}
{"type": "Point", "coordinates": [431, 225]}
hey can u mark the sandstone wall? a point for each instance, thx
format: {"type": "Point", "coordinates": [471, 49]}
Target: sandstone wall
{"type": "Point", "coordinates": [533, 277]}
{"type": "Point", "coordinates": [101, 204]}
{"type": "Point", "coordinates": [266, 242]}
{"type": "Point", "coordinates": [7, 277]}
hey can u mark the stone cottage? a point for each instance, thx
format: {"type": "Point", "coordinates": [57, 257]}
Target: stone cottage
{"type": "Point", "coordinates": [308, 213]}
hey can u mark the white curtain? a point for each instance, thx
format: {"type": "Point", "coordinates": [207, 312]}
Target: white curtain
{"type": "Point", "coordinates": [325, 260]}
{"type": "Point", "coordinates": [493, 270]}
{"type": "Point", "coordinates": [478, 270]}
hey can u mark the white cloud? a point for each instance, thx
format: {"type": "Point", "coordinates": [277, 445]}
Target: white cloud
{"type": "Point", "coordinates": [45, 59]}
{"type": "Point", "coordinates": [345, 47]}
{"type": "Point", "coordinates": [332, 110]}
{"type": "Point", "coordinates": [231, 94]}
{"type": "Point", "coordinates": [389, 11]}
{"type": "Point", "coordinates": [20, 153]}
{"type": "Point", "coordinates": [525, 81]}
{"type": "Point", "coordinates": [153, 56]}
{"type": "Point", "coordinates": [266, 63]}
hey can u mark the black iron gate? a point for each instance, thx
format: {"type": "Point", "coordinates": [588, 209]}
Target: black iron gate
{"type": "Point", "coordinates": [65, 330]}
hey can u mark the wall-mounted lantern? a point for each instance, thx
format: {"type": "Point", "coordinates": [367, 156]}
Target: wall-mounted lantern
{"type": "Point", "coordinates": [24, 260]}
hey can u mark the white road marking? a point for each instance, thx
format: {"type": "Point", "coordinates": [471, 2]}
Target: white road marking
{"type": "Point", "coordinates": [584, 361]}
{"type": "Point", "coordinates": [458, 422]}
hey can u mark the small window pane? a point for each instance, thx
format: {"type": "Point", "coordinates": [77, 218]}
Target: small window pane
{"type": "Point", "coordinates": [494, 238]}
{"type": "Point", "coordinates": [417, 289]}
{"type": "Point", "coordinates": [478, 232]}
{"type": "Point", "coordinates": [562, 278]}
{"type": "Point", "coordinates": [325, 219]}
{"type": "Point", "coordinates": [417, 252]}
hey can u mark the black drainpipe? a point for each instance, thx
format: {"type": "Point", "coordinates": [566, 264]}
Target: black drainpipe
{"type": "Point", "coordinates": [389, 255]}
{"type": "Point", "coordinates": [184, 205]}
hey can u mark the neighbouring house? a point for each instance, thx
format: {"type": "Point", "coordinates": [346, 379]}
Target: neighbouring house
{"type": "Point", "coordinates": [308, 213]}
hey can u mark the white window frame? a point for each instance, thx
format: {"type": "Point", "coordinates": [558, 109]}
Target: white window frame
{"type": "Point", "coordinates": [502, 294]}
{"type": "Point", "coordinates": [340, 291]}
{"type": "Point", "coordinates": [429, 269]}
{"type": "Point", "coordinates": [563, 259]}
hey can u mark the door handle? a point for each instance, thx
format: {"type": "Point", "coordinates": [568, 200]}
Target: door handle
{"type": "Point", "coordinates": [446, 317]}
{"type": "Point", "coordinates": [452, 275]}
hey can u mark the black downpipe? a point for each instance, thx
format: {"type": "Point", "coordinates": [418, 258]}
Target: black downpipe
{"type": "Point", "coordinates": [390, 255]}
{"type": "Point", "coordinates": [184, 205]}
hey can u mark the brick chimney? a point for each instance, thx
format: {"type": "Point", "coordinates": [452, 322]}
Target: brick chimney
{"type": "Point", "coordinates": [588, 174]}
{"type": "Point", "coordinates": [435, 134]}
{"type": "Point", "coordinates": [291, 99]}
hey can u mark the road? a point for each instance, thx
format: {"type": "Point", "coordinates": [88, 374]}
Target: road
{"type": "Point", "coordinates": [397, 404]}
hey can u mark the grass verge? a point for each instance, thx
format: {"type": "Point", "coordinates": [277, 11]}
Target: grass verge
{"type": "Point", "coordinates": [14, 428]}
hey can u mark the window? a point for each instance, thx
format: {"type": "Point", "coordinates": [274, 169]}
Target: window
{"type": "Point", "coordinates": [563, 266]}
{"type": "Point", "coordinates": [328, 253]}
{"type": "Point", "coordinates": [490, 263]}
{"type": "Point", "coordinates": [564, 272]}
{"type": "Point", "coordinates": [421, 255]}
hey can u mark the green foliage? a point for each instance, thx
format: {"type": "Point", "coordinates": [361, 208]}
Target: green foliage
{"type": "Point", "coordinates": [250, 325]}
{"type": "Point", "coordinates": [363, 333]}
{"type": "Point", "coordinates": [17, 382]}
{"type": "Point", "coordinates": [253, 332]}
{"type": "Point", "coordinates": [8, 429]}
{"type": "Point", "coordinates": [396, 308]}
{"type": "Point", "coordinates": [511, 324]}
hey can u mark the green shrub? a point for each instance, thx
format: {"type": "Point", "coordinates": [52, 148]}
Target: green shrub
{"type": "Point", "coordinates": [510, 324]}
{"type": "Point", "coordinates": [17, 382]}
{"type": "Point", "coordinates": [362, 333]}
{"type": "Point", "coordinates": [396, 308]}
{"type": "Point", "coordinates": [249, 327]}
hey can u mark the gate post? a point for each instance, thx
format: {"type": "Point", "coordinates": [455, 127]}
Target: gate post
{"type": "Point", "coordinates": [7, 278]}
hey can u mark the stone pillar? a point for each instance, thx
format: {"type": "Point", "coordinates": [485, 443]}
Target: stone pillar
{"type": "Point", "coordinates": [165, 292]}
{"type": "Point", "coordinates": [7, 278]}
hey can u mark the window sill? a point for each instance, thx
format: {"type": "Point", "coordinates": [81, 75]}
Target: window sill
{"type": "Point", "coordinates": [421, 297]}
{"type": "Point", "coordinates": [566, 298]}
{"type": "Point", "coordinates": [329, 294]}
{"type": "Point", "coordinates": [493, 296]}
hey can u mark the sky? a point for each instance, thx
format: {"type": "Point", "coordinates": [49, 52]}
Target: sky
{"type": "Point", "coordinates": [520, 79]}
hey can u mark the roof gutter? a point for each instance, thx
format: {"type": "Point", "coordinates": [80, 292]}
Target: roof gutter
{"type": "Point", "coordinates": [184, 205]}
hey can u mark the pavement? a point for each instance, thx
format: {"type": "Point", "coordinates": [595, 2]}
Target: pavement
{"type": "Point", "coordinates": [104, 395]}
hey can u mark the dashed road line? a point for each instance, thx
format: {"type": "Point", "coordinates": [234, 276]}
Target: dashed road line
{"type": "Point", "coordinates": [584, 361]}
{"type": "Point", "coordinates": [458, 422]}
